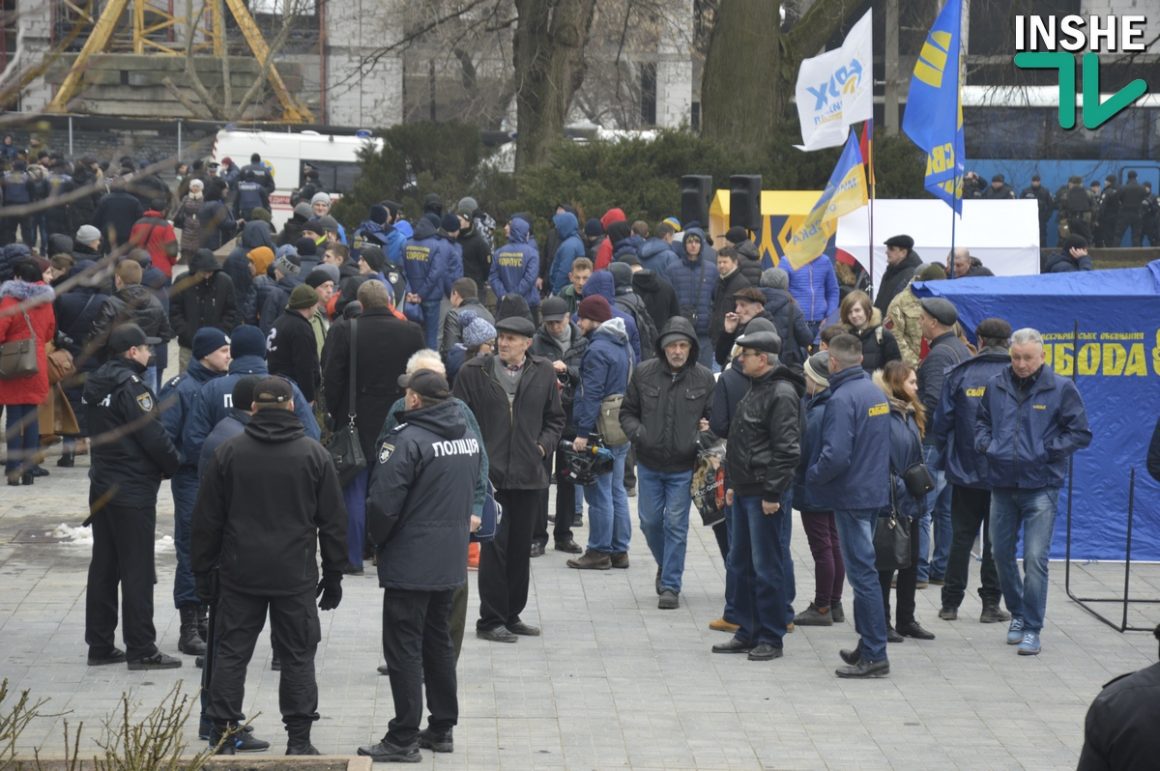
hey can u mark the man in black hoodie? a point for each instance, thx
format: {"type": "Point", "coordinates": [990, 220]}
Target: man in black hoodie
{"type": "Point", "coordinates": [419, 512]}
{"type": "Point", "coordinates": [269, 500]}
{"type": "Point", "coordinates": [130, 454]}
{"type": "Point", "coordinates": [658, 294]}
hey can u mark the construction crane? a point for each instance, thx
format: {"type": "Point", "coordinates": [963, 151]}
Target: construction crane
{"type": "Point", "coordinates": [150, 22]}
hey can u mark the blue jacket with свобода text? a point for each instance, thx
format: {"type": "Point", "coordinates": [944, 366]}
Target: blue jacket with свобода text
{"type": "Point", "coordinates": [953, 427]}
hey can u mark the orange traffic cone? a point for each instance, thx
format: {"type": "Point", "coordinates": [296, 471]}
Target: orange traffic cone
{"type": "Point", "coordinates": [473, 555]}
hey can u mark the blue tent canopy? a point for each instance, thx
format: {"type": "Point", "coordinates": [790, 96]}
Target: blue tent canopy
{"type": "Point", "coordinates": [1117, 370]}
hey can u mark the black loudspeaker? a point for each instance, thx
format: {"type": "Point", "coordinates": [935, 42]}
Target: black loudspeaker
{"type": "Point", "coordinates": [696, 193]}
{"type": "Point", "coordinates": [745, 201]}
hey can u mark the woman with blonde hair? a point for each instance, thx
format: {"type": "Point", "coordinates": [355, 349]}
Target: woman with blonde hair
{"type": "Point", "coordinates": [907, 427]}
{"type": "Point", "coordinates": [864, 321]}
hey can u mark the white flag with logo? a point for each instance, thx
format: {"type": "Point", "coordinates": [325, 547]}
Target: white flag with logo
{"type": "Point", "coordinates": [836, 89]}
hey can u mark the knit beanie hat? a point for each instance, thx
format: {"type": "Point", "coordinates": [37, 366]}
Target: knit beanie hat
{"type": "Point", "coordinates": [379, 214]}
{"type": "Point", "coordinates": [318, 277]}
{"type": "Point", "coordinates": [466, 206]}
{"type": "Point", "coordinates": [303, 296]}
{"type": "Point", "coordinates": [320, 198]}
{"type": "Point", "coordinates": [478, 332]}
{"type": "Point", "coordinates": [258, 213]}
{"type": "Point", "coordinates": [247, 341]}
{"type": "Point", "coordinates": [262, 257]}
{"type": "Point", "coordinates": [288, 263]}
{"type": "Point", "coordinates": [775, 278]}
{"type": "Point", "coordinates": [207, 340]}
{"type": "Point", "coordinates": [595, 308]}
{"type": "Point", "coordinates": [306, 247]}
{"type": "Point", "coordinates": [817, 368]}
{"type": "Point", "coordinates": [450, 223]}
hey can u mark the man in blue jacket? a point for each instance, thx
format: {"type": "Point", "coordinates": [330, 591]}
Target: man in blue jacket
{"type": "Point", "coordinates": [815, 287]}
{"type": "Point", "coordinates": [851, 476]}
{"type": "Point", "coordinates": [213, 401]}
{"type": "Point", "coordinates": [602, 283]}
{"type": "Point", "coordinates": [419, 513]}
{"type": "Point", "coordinates": [211, 359]}
{"type": "Point", "coordinates": [1030, 421]}
{"type": "Point", "coordinates": [426, 261]}
{"type": "Point", "coordinates": [604, 372]}
{"type": "Point", "coordinates": [515, 266]}
{"type": "Point", "coordinates": [953, 435]}
{"type": "Point", "coordinates": [694, 277]}
{"type": "Point", "coordinates": [570, 248]}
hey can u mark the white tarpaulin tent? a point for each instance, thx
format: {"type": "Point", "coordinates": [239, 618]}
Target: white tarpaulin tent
{"type": "Point", "coordinates": [1003, 234]}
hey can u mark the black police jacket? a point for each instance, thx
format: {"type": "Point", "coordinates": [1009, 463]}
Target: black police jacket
{"type": "Point", "coordinates": [269, 501]}
{"type": "Point", "coordinates": [421, 497]}
{"type": "Point", "coordinates": [765, 436]}
{"type": "Point", "coordinates": [131, 450]}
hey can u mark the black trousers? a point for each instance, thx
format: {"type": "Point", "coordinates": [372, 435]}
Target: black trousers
{"type": "Point", "coordinates": [417, 642]}
{"type": "Point", "coordinates": [122, 556]}
{"type": "Point", "coordinates": [630, 468]}
{"type": "Point", "coordinates": [295, 633]}
{"type": "Point", "coordinates": [1133, 220]}
{"type": "Point", "coordinates": [504, 562]}
{"type": "Point", "coordinates": [907, 581]}
{"type": "Point", "coordinates": [565, 505]}
{"type": "Point", "coordinates": [970, 509]}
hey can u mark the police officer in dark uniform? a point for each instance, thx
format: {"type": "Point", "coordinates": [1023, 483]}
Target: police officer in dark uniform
{"type": "Point", "coordinates": [269, 500]}
{"type": "Point", "coordinates": [1150, 217]}
{"type": "Point", "coordinates": [419, 514]}
{"type": "Point", "coordinates": [130, 455]}
{"type": "Point", "coordinates": [1120, 728]}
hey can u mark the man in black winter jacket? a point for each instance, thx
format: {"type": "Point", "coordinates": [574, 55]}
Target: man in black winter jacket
{"type": "Point", "coordinates": [291, 348]}
{"type": "Point", "coordinates": [901, 263]}
{"type": "Point", "coordinates": [419, 514]}
{"type": "Point", "coordinates": [516, 399]}
{"type": "Point", "coordinates": [658, 294]}
{"type": "Point", "coordinates": [130, 454]}
{"type": "Point", "coordinates": [131, 302]}
{"type": "Point", "coordinates": [760, 461]}
{"type": "Point", "coordinates": [732, 281]}
{"type": "Point", "coordinates": [269, 500]}
{"type": "Point", "coordinates": [666, 405]}
{"type": "Point", "coordinates": [203, 297]}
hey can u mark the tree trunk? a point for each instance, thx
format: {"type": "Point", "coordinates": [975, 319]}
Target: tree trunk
{"type": "Point", "coordinates": [751, 68]}
{"type": "Point", "coordinates": [550, 39]}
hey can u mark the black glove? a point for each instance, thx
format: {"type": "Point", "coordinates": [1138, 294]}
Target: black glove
{"type": "Point", "coordinates": [207, 586]}
{"type": "Point", "coordinates": [330, 590]}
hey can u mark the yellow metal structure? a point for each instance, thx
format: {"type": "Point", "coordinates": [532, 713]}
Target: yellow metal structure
{"type": "Point", "coordinates": [154, 32]}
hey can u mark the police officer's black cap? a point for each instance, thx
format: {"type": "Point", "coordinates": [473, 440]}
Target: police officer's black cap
{"type": "Point", "coordinates": [941, 310]}
{"type": "Point", "coordinates": [516, 325]}
{"type": "Point", "coordinates": [127, 336]}
{"type": "Point", "coordinates": [427, 383]}
{"type": "Point", "coordinates": [901, 242]}
{"type": "Point", "coordinates": [273, 390]}
{"type": "Point", "coordinates": [766, 342]}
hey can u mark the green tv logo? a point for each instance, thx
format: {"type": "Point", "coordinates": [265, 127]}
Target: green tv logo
{"type": "Point", "coordinates": [1051, 42]}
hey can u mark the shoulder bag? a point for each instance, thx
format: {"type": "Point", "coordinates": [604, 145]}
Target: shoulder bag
{"type": "Point", "coordinates": [344, 446]}
{"type": "Point", "coordinates": [891, 538]}
{"type": "Point", "coordinates": [608, 420]}
{"type": "Point", "coordinates": [18, 357]}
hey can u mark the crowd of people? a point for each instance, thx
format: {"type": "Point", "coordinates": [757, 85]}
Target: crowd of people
{"type": "Point", "coordinates": [449, 376]}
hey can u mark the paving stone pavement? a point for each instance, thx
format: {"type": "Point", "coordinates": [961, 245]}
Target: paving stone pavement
{"type": "Point", "coordinates": [613, 682]}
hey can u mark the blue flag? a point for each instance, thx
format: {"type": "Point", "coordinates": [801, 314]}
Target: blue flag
{"type": "Point", "coordinates": [934, 109]}
{"type": "Point", "coordinates": [845, 192]}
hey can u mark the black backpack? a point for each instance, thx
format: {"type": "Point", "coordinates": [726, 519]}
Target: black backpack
{"type": "Point", "coordinates": [645, 327]}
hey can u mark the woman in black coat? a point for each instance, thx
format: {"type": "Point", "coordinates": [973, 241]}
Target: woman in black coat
{"type": "Point", "coordinates": [865, 321]}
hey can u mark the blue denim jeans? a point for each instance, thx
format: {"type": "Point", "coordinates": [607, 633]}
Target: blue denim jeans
{"type": "Point", "coordinates": [22, 436]}
{"type": "Point", "coordinates": [609, 526]}
{"type": "Point", "coordinates": [937, 513]}
{"type": "Point", "coordinates": [757, 560]}
{"type": "Point", "coordinates": [431, 323]}
{"type": "Point", "coordinates": [663, 500]}
{"type": "Point", "coordinates": [1034, 512]}
{"type": "Point", "coordinates": [184, 488]}
{"type": "Point", "coordinates": [856, 537]}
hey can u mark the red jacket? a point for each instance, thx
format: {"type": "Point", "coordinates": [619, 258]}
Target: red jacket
{"type": "Point", "coordinates": [30, 389]}
{"type": "Point", "coordinates": [156, 235]}
{"type": "Point", "coordinates": [604, 251]}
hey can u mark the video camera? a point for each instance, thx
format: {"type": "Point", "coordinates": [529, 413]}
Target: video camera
{"type": "Point", "coordinates": [583, 468]}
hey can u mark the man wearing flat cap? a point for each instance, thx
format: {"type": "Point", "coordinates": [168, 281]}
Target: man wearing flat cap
{"type": "Point", "coordinates": [131, 454]}
{"type": "Point", "coordinates": [760, 461]}
{"type": "Point", "coordinates": [937, 322]}
{"type": "Point", "coordinates": [419, 509]}
{"type": "Point", "coordinates": [901, 263]}
{"type": "Point", "coordinates": [516, 399]}
{"type": "Point", "coordinates": [953, 431]}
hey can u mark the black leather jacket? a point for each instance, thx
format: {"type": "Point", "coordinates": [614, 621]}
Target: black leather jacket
{"type": "Point", "coordinates": [765, 436]}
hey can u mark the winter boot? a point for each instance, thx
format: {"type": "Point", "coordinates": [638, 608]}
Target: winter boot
{"type": "Point", "coordinates": [203, 622]}
{"type": "Point", "coordinates": [299, 741]}
{"type": "Point", "coordinates": [189, 642]}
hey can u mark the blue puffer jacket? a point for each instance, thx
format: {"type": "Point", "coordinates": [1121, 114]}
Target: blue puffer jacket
{"type": "Point", "coordinates": [1027, 434]}
{"type": "Point", "coordinates": [570, 248]}
{"type": "Point", "coordinates": [371, 232]}
{"type": "Point", "coordinates": [602, 283]}
{"type": "Point", "coordinates": [214, 400]}
{"type": "Point", "coordinates": [694, 283]}
{"type": "Point", "coordinates": [515, 266]}
{"type": "Point", "coordinates": [426, 261]}
{"type": "Point", "coordinates": [603, 372]}
{"type": "Point", "coordinates": [815, 410]}
{"type": "Point", "coordinates": [853, 467]}
{"type": "Point", "coordinates": [815, 287]}
{"type": "Point", "coordinates": [176, 401]}
{"type": "Point", "coordinates": [953, 427]}
{"type": "Point", "coordinates": [656, 255]}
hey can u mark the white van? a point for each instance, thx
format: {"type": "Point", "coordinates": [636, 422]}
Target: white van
{"type": "Point", "coordinates": [284, 153]}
